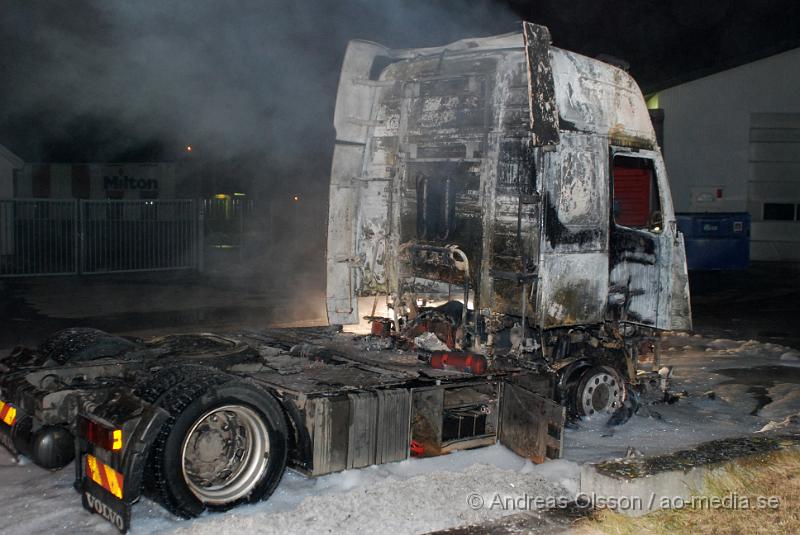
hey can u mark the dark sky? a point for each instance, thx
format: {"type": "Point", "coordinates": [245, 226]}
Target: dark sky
{"type": "Point", "coordinates": [255, 80]}
{"type": "Point", "coordinates": [668, 42]}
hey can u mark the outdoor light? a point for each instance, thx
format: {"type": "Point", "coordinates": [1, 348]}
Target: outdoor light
{"type": "Point", "coordinates": [188, 148]}
{"type": "Point", "coordinates": [296, 198]}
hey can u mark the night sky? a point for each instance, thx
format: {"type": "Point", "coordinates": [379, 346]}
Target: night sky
{"type": "Point", "coordinates": [251, 84]}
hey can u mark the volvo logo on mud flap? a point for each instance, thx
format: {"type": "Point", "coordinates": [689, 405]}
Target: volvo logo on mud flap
{"type": "Point", "coordinates": [104, 510]}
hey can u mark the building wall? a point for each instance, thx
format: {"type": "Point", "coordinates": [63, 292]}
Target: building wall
{"type": "Point", "coordinates": [729, 146]}
{"type": "Point", "coordinates": [97, 181]}
{"type": "Point", "coordinates": [6, 179]}
{"type": "Point", "coordinates": [9, 163]}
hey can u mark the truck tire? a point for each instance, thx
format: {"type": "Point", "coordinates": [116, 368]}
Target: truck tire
{"type": "Point", "coordinates": [84, 344]}
{"type": "Point", "coordinates": [600, 390]}
{"type": "Point", "coordinates": [166, 378]}
{"type": "Point", "coordinates": [223, 445]}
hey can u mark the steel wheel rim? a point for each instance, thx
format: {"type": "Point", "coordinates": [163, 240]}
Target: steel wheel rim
{"type": "Point", "coordinates": [225, 453]}
{"type": "Point", "coordinates": [602, 393]}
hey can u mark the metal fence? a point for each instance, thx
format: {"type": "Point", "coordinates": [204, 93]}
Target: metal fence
{"type": "Point", "coordinates": [55, 237]}
{"type": "Point", "coordinates": [38, 237]}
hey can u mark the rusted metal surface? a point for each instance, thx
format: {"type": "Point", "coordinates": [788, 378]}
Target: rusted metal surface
{"type": "Point", "coordinates": [500, 146]}
{"type": "Point", "coordinates": [532, 426]}
{"type": "Point", "coordinates": [574, 258]}
{"type": "Point", "coordinates": [541, 88]}
{"type": "Point", "coordinates": [426, 421]}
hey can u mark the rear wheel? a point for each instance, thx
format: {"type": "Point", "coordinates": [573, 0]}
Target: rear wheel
{"type": "Point", "coordinates": [225, 454]}
{"type": "Point", "coordinates": [600, 390]}
{"type": "Point", "coordinates": [165, 379]}
{"type": "Point", "coordinates": [223, 445]}
{"type": "Point", "coordinates": [84, 344]}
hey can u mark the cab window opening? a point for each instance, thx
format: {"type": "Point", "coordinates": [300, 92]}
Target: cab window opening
{"type": "Point", "coordinates": [635, 196]}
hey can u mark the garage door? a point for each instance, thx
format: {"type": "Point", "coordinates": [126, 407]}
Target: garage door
{"type": "Point", "coordinates": [774, 186]}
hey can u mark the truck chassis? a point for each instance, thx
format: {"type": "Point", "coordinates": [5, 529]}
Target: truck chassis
{"type": "Point", "coordinates": [210, 422]}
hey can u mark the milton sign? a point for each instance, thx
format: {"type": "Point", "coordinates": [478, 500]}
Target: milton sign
{"type": "Point", "coordinates": [124, 182]}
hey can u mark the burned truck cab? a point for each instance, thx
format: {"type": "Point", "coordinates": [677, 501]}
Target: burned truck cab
{"type": "Point", "coordinates": [506, 199]}
{"type": "Point", "coordinates": [518, 179]}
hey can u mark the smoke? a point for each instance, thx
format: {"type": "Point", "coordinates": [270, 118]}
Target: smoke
{"type": "Point", "coordinates": [249, 84]}
{"type": "Point", "coordinates": [229, 78]}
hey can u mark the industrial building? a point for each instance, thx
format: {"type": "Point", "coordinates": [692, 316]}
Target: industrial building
{"type": "Point", "coordinates": [97, 181]}
{"type": "Point", "coordinates": [10, 164]}
{"type": "Point", "coordinates": [732, 145]}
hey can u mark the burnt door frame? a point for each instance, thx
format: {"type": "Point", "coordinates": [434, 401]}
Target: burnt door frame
{"type": "Point", "coordinates": [573, 256]}
{"type": "Point", "coordinates": [638, 268]}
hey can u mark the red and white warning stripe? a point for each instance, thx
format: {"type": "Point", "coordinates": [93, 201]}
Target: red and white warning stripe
{"type": "Point", "coordinates": [8, 414]}
{"type": "Point", "coordinates": [104, 475]}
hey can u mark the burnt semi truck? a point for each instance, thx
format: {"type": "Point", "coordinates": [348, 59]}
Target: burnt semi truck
{"type": "Point", "coordinates": [506, 203]}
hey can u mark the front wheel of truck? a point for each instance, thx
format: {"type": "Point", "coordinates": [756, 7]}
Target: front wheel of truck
{"type": "Point", "coordinates": [600, 390]}
{"type": "Point", "coordinates": [224, 445]}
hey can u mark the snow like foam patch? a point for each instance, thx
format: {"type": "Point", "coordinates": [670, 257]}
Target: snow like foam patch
{"type": "Point", "coordinates": [722, 343]}
{"type": "Point", "coordinates": [682, 342]}
{"type": "Point", "coordinates": [785, 401]}
{"type": "Point", "coordinates": [791, 355]}
{"type": "Point", "coordinates": [560, 471]}
{"type": "Point", "coordinates": [792, 420]}
{"type": "Point", "coordinates": [413, 496]}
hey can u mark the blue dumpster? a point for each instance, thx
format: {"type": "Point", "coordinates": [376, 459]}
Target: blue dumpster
{"type": "Point", "coordinates": [716, 240]}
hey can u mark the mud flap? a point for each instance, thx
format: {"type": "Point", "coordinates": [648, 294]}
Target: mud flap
{"type": "Point", "coordinates": [531, 425]}
{"type": "Point", "coordinates": [99, 501]}
{"type": "Point", "coordinates": [126, 467]}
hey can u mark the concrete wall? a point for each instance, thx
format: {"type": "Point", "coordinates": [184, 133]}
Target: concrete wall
{"type": "Point", "coordinates": [713, 159]}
